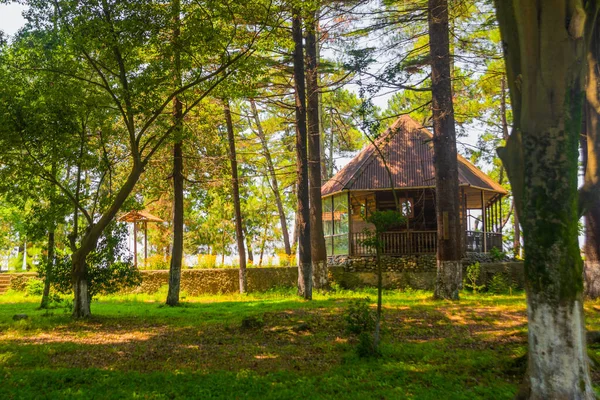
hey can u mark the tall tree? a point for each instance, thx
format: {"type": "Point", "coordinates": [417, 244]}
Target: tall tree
{"type": "Point", "coordinates": [591, 150]}
{"type": "Point", "coordinates": [449, 234]}
{"type": "Point", "coordinates": [545, 46]}
{"type": "Point", "coordinates": [235, 189]}
{"type": "Point", "coordinates": [273, 178]}
{"type": "Point", "coordinates": [303, 216]}
{"type": "Point", "coordinates": [115, 51]}
{"type": "Point", "coordinates": [318, 250]}
{"type": "Point", "coordinates": [177, 176]}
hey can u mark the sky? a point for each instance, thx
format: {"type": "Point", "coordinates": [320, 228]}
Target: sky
{"type": "Point", "coordinates": [10, 18]}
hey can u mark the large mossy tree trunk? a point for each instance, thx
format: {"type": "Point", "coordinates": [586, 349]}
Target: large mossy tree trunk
{"type": "Point", "coordinates": [303, 215]}
{"type": "Point", "coordinates": [177, 248]}
{"type": "Point", "coordinates": [590, 141]}
{"type": "Point", "coordinates": [544, 49]}
{"type": "Point", "coordinates": [318, 250]}
{"type": "Point", "coordinates": [449, 232]}
{"type": "Point", "coordinates": [235, 191]}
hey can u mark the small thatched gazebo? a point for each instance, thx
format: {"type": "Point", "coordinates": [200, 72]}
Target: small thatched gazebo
{"type": "Point", "coordinates": [136, 217]}
{"type": "Point", "coordinates": [363, 185]}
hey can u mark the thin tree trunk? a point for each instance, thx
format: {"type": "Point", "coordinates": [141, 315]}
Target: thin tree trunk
{"type": "Point", "coordinates": [377, 333]}
{"type": "Point", "coordinates": [545, 52]}
{"type": "Point", "coordinates": [239, 232]}
{"type": "Point", "coordinates": [590, 142]}
{"type": "Point", "coordinates": [318, 250]}
{"type": "Point", "coordinates": [303, 222]}
{"type": "Point", "coordinates": [273, 178]}
{"type": "Point", "coordinates": [449, 268]}
{"type": "Point", "coordinates": [49, 269]}
{"type": "Point", "coordinates": [177, 248]}
{"type": "Point", "coordinates": [248, 246]}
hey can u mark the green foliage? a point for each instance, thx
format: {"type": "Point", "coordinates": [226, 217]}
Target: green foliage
{"type": "Point", "coordinates": [34, 287]}
{"type": "Point", "coordinates": [499, 284]}
{"type": "Point", "coordinates": [360, 318]}
{"type": "Point", "coordinates": [109, 266]}
{"type": "Point", "coordinates": [473, 276]}
{"type": "Point", "coordinates": [497, 255]}
{"type": "Point", "coordinates": [385, 220]}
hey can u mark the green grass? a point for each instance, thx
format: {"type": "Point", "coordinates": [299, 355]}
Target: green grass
{"type": "Point", "coordinates": [134, 347]}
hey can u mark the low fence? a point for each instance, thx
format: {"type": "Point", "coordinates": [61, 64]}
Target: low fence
{"type": "Point", "coordinates": [213, 281]}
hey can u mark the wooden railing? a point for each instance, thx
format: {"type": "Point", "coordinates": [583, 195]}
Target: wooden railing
{"type": "Point", "coordinates": [474, 241]}
{"type": "Point", "coordinates": [413, 242]}
{"type": "Point", "coordinates": [422, 242]}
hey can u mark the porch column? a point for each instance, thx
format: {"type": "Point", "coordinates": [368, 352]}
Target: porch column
{"type": "Point", "coordinates": [484, 222]}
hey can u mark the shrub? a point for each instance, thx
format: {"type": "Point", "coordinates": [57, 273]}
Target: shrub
{"type": "Point", "coordinates": [109, 267]}
{"type": "Point", "coordinates": [157, 262]}
{"type": "Point", "coordinates": [499, 284]}
{"type": "Point", "coordinates": [359, 317]}
{"type": "Point", "coordinates": [366, 347]}
{"type": "Point", "coordinates": [34, 287]}
{"type": "Point", "coordinates": [287, 261]}
{"type": "Point", "coordinates": [473, 274]}
{"type": "Point", "coordinates": [497, 254]}
{"type": "Point", "coordinates": [206, 261]}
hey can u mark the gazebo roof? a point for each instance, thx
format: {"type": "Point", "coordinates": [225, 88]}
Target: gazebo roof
{"type": "Point", "coordinates": [139, 216]}
{"type": "Point", "coordinates": [408, 149]}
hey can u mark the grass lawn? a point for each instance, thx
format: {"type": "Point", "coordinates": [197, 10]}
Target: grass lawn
{"type": "Point", "coordinates": [134, 347]}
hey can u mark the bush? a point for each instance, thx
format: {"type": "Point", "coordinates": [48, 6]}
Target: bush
{"type": "Point", "coordinates": [473, 274]}
{"type": "Point", "coordinates": [366, 347]}
{"type": "Point", "coordinates": [206, 261]}
{"type": "Point", "coordinates": [287, 261]}
{"type": "Point", "coordinates": [34, 287]}
{"type": "Point", "coordinates": [359, 317]}
{"type": "Point", "coordinates": [157, 262]}
{"type": "Point", "coordinates": [109, 267]}
{"type": "Point", "coordinates": [499, 284]}
{"type": "Point", "coordinates": [497, 255]}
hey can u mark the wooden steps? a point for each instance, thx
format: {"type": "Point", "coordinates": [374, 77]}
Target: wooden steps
{"type": "Point", "coordinates": [4, 282]}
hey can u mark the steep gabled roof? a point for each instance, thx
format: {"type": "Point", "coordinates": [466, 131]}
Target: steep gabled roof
{"type": "Point", "coordinates": [408, 150]}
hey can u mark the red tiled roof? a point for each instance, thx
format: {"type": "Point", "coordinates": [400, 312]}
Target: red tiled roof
{"type": "Point", "coordinates": [408, 150]}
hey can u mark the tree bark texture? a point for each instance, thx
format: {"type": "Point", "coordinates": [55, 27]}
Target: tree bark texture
{"type": "Point", "coordinates": [318, 250]}
{"type": "Point", "coordinates": [235, 190]}
{"type": "Point", "coordinates": [449, 269]}
{"type": "Point", "coordinates": [273, 177]}
{"type": "Point", "coordinates": [49, 269]}
{"type": "Point", "coordinates": [177, 248]}
{"type": "Point", "coordinates": [590, 141]}
{"type": "Point", "coordinates": [303, 216]}
{"type": "Point", "coordinates": [545, 46]}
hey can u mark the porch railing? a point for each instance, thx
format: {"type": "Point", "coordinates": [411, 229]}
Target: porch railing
{"type": "Point", "coordinates": [413, 242]}
{"type": "Point", "coordinates": [422, 242]}
{"type": "Point", "coordinates": [475, 241]}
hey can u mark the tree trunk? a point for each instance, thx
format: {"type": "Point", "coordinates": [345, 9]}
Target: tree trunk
{"type": "Point", "coordinates": [81, 304]}
{"type": "Point", "coordinates": [250, 258]}
{"type": "Point", "coordinates": [545, 49]}
{"type": "Point", "coordinates": [590, 142]}
{"type": "Point", "coordinates": [177, 248]}
{"type": "Point", "coordinates": [318, 250]}
{"type": "Point", "coordinates": [49, 269]}
{"type": "Point", "coordinates": [303, 221]}
{"type": "Point", "coordinates": [273, 177]}
{"type": "Point", "coordinates": [449, 268]}
{"type": "Point", "coordinates": [239, 232]}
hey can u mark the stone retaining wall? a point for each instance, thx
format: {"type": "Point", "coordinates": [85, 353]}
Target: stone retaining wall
{"type": "Point", "coordinates": [200, 281]}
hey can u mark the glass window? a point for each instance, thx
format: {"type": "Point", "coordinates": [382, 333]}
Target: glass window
{"type": "Point", "coordinates": [327, 216]}
{"type": "Point", "coordinates": [340, 214]}
{"type": "Point", "coordinates": [329, 245]}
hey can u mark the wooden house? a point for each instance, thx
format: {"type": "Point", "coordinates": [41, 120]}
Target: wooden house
{"type": "Point", "coordinates": [364, 185]}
